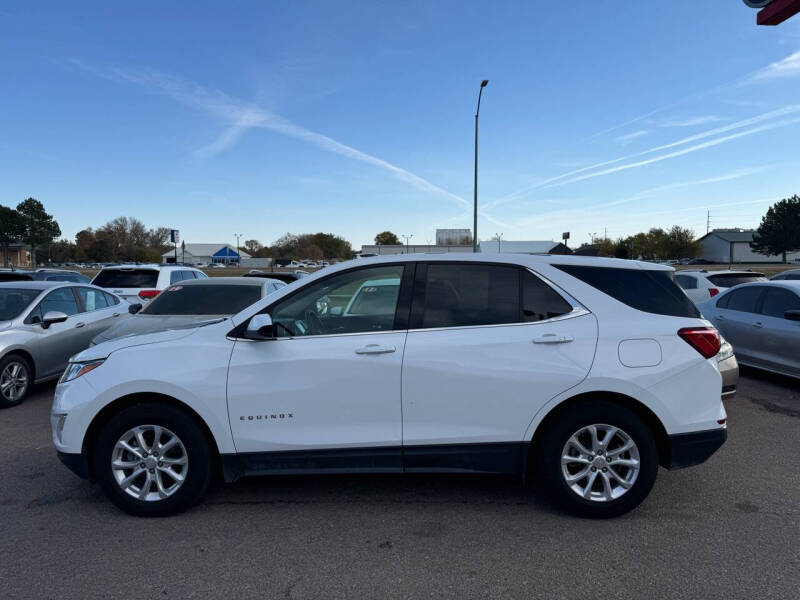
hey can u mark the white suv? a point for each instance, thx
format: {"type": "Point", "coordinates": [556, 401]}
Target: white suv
{"type": "Point", "coordinates": [701, 284]}
{"type": "Point", "coordinates": [582, 373]}
{"type": "Point", "coordinates": [141, 283]}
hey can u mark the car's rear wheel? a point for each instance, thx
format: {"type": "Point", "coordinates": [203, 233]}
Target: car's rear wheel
{"type": "Point", "coordinates": [597, 459]}
{"type": "Point", "coordinates": [16, 378]}
{"type": "Point", "coordinates": [152, 460]}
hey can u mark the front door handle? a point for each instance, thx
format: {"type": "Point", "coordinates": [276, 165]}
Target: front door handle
{"type": "Point", "coordinates": [115, 315]}
{"type": "Point", "coordinates": [79, 325]}
{"type": "Point", "coordinates": [758, 324]}
{"type": "Point", "coordinates": [552, 338]}
{"type": "Point", "coordinates": [375, 349]}
{"type": "Point", "coordinates": [719, 318]}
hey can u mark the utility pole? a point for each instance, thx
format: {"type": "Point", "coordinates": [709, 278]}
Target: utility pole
{"type": "Point", "coordinates": [708, 221]}
{"type": "Point", "coordinates": [605, 233]}
{"type": "Point", "coordinates": [499, 237]}
{"type": "Point", "coordinates": [475, 183]}
{"type": "Point", "coordinates": [238, 257]}
{"type": "Point", "coordinates": [591, 235]}
{"type": "Point", "coordinates": [408, 237]}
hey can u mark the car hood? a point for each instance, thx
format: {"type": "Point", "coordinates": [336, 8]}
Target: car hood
{"type": "Point", "coordinates": [141, 324]}
{"type": "Point", "coordinates": [102, 350]}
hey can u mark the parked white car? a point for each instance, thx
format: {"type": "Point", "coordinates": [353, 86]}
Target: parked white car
{"type": "Point", "coordinates": [701, 284]}
{"type": "Point", "coordinates": [138, 284]}
{"type": "Point", "coordinates": [584, 374]}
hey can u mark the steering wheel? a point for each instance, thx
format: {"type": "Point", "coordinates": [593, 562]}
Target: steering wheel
{"type": "Point", "coordinates": [315, 324]}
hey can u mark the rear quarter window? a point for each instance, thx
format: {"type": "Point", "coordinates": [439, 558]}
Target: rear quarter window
{"type": "Point", "coordinates": [646, 290]}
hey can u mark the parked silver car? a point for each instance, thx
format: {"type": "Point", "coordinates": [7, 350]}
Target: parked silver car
{"type": "Point", "coordinates": [42, 324]}
{"type": "Point", "coordinates": [190, 303]}
{"type": "Point", "coordinates": [788, 274]}
{"type": "Point", "coordinates": [762, 323]}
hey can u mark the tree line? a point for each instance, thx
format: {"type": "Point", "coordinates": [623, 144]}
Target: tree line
{"type": "Point", "coordinates": [312, 246]}
{"type": "Point", "coordinates": [656, 244]}
{"type": "Point", "coordinates": [28, 224]}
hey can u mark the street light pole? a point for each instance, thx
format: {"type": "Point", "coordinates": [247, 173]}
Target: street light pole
{"type": "Point", "coordinates": [475, 183]}
{"type": "Point", "coordinates": [238, 256]}
{"type": "Point", "coordinates": [408, 237]}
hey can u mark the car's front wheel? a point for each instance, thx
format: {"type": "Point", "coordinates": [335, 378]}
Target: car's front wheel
{"type": "Point", "coordinates": [16, 379]}
{"type": "Point", "coordinates": [597, 459]}
{"type": "Point", "coordinates": [152, 460]}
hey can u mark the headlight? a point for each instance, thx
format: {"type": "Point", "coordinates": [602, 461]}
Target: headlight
{"type": "Point", "coordinates": [76, 369]}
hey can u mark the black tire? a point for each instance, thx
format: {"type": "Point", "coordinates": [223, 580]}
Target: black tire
{"type": "Point", "coordinates": [16, 359]}
{"type": "Point", "coordinates": [191, 435]}
{"type": "Point", "coordinates": [549, 476]}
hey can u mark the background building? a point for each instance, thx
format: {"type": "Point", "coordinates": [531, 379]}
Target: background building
{"type": "Point", "coordinates": [453, 237]}
{"type": "Point", "coordinates": [205, 253]}
{"type": "Point", "coordinates": [733, 246]}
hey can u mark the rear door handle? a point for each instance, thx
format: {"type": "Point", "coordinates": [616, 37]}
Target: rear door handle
{"type": "Point", "coordinates": [719, 318]}
{"type": "Point", "coordinates": [115, 315]}
{"type": "Point", "coordinates": [375, 349]}
{"type": "Point", "coordinates": [79, 325]}
{"type": "Point", "coordinates": [552, 338]}
{"type": "Point", "coordinates": [758, 324]}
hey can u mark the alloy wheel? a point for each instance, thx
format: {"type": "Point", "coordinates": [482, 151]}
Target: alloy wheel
{"type": "Point", "coordinates": [14, 381]}
{"type": "Point", "coordinates": [149, 462]}
{"type": "Point", "coordinates": [600, 462]}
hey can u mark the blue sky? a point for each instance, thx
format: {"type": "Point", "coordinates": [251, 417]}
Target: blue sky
{"type": "Point", "coordinates": [355, 117]}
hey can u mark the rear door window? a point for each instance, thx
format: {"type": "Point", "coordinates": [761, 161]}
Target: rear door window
{"type": "Point", "coordinates": [126, 278]}
{"type": "Point", "coordinates": [643, 289]}
{"type": "Point", "coordinates": [92, 299]}
{"type": "Point", "coordinates": [777, 301]}
{"type": "Point", "coordinates": [745, 299]}
{"type": "Point", "coordinates": [726, 280]}
{"type": "Point", "coordinates": [458, 295]}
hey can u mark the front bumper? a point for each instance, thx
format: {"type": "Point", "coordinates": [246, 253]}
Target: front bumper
{"type": "Point", "coordinates": [689, 449]}
{"type": "Point", "coordinates": [77, 463]}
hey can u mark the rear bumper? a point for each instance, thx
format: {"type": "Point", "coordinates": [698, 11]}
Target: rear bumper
{"type": "Point", "coordinates": [689, 449]}
{"type": "Point", "coordinates": [76, 463]}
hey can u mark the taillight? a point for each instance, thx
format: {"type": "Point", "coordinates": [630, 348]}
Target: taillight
{"type": "Point", "coordinates": [703, 339]}
{"type": "Point", "coordinates": [144, 294]}
{"type": "Point", "coordinates": [713, 291]}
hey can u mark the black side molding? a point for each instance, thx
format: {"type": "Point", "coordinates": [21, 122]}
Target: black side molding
{"type": "Point", "coordinates": [76, 463]}
{"type": "Point", "coordinates": [689, 449]}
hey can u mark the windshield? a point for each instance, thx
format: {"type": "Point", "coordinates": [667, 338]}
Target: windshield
{"type": "Point", "coordinates": [211, 299]}
{"type": "Point", "coordinates": [14, 301]}
{"type": "Point", "coordinates": [126, 278]}
{"type": "Point", "coordinates": [726, 280]}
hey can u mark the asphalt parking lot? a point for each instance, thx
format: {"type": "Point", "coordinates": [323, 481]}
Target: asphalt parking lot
{"type": "Point", "coordinates": [726, 529]}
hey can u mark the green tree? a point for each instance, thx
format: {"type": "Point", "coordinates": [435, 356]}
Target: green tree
{"type": "Point", "coordinates": [252, 247]}
{"type": "Point", "coordinates": [779, 231]}
{"type": "Point", "coordinates": [12, 229]}
{"type": "Point", "coordinates": [40, 228]}
{"type": "Point", "coordinates": [386, 238]}
{"type": "Point", "coordinates": [680, 243]}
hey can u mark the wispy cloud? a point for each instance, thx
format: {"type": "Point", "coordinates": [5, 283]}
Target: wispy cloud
{"type": "Point", "coordinates": [242, 116]}
{"type": "Point", "coordinates": [597, 170]}
{"type": "Point", "coordinates": [629, 137]}
{"type": "Point", "coordinates": [787, 67]}
{"type": "Point", "coordinates": [690, 121]}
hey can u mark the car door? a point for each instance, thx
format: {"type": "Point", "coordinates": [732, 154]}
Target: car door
{"type": "Point", "coordinates": [488, 346]}
{"type": "Point", "coordinates": [98, 310]}
{"type": "Point", "coordinates": [329, 381]}
{"type": "Point", "coordinates": [55, 344]}
{"type": "Point", "coordinates": [780, 337]}
{"type": "Point", "coordinates": [737, 317]}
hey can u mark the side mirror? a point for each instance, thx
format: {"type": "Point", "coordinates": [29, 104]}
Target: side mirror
{"type": "Point", "coordinates": [792, 315]}
{"type": "Point", "coordinates": [260, 328]}
{"type": "Point", "coordinates": [134, 308]}
{"type": "Point", "coordinates": [53, 316]}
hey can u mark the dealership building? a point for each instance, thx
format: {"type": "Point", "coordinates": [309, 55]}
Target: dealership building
{"type": "Point", "coordinates": [205, 253]}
